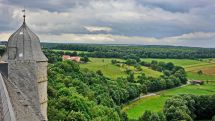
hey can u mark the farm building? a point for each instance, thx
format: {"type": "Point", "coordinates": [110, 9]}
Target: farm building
{"type": "Point", "coordinates": [197, 82]}
{"type": "Point", "coordinates": [73, 58]}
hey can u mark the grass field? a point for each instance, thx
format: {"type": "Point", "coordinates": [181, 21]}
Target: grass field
{"type": "Point", "coordinates": [207, 66]}
{"type": "Point", "coordinates": [113, 71]}
{"type": "Point", "coordinates": [156, 103]}
{"type": "Point", "coordinates": [105, 66]}
{"type": "Point", "coordinates": [179, 62]}
{"type": "Point", "coordinates": [70, 51]}
{"type": "Point", "coordinates": [204, 77]}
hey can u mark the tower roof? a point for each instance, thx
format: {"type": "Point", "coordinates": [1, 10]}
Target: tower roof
{"type": "Point", "coordinates": [24, 45]}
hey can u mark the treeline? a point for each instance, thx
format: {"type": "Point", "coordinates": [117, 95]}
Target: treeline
{"type": "Point", "coordinates": [111, 51]}
{"type": "Point", "coordinates": [53, 56]}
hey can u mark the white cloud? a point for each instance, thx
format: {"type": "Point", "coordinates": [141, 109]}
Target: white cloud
{"type": "Point", "coordinates": [198, 39]}
{"type": "Point", "coordinates": [98, 29]}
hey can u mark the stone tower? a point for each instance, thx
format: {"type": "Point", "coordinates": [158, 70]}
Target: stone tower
{"type": "Point", "coordinates": [27, 67]}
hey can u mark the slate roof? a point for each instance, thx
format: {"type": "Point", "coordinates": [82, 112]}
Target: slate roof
{"type": "Point", "coordinates": [14, 105]}
{"type": "Point", "coordinates": [24, 45]}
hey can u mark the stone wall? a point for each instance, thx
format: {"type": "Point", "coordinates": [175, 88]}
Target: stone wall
{"type": "Point", "coordinates": [42, 86]}
{"type": "Point", "coordinates": [23, 75]}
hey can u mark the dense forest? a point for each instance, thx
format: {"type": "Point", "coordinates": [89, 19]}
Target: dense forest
{"type": "Point", "coordinates": [117, 51]}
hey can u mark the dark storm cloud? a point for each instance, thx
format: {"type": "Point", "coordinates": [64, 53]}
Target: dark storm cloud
{"type": "Point", "coordinates": [177, 5]}
{"type": "Point", "coordinates": [136, 21]}
{"type": "Point", "coordinates": [50, 5]}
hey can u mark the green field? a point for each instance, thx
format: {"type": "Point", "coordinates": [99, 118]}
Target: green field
{"type": "Point", "coordinates": [193, 66]}
{"type": "Point", "coordinates": [70, 51]}
{"type": "Point", "coordinates": [105, 66]}
{"type": "Point", "coordinates": [156, 103]}
{"type": "Point", "coordinates": [195, 76]}
{"type": "Point", "coordinates": [179, 62]}
{"type": "Point", "coordinates": [113, 71]}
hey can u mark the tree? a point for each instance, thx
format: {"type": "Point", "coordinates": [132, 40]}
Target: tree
{"type": "Point", "coordinates": [175, 109]}
{"type": "Point", "coordinates": [146, 116]}
{"type": "Point", "coordinates": [200, 72]}
{"type": "Point", "coordinates": [138, 67]}
{"type": "Point", "coordinates": [85, 59]}
{"type": "Point", "coordinates": [113, 61]}
{"type": "Point", "coordinates": [154, 117]}
{"type": "Point", "coordinates": [213, 119]}
{"type": "Point", "coordinates": [149, 116]}
{"type": "Point", "coordinates": [131, 62]}
{"type": "Point", "coordinates": [128, 71]}
{"type": "Point", "coordinates": [169, 66]}
{"type": "Point", "coordinates": [144, 89]}
{"type": "Point", "coordinates": [130, 77]}
{"type": "Point", "coordinates": [99, 72]}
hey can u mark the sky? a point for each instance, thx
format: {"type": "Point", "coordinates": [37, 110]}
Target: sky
{"type": "Point", "coordinates": [142, 22]}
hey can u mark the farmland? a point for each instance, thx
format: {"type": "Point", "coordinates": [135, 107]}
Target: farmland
{"type": "Point", "coordinates": [113, 71]}
{"type": "Point", "coordinates": [207, 66]}
{"type": "Point", "coordinates": [156, 103]}
{"type": "Point", "coordinates": [191, 66]}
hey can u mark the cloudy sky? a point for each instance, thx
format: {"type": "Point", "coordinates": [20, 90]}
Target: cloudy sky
{"type": "Point", "coordinates": [148, 22]}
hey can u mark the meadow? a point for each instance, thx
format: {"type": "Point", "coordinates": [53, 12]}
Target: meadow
{"type": "Point", "coordinates": [191, 67]}
{"type": "Point", "coordinates": [207, 66]}
{"type": "Point", "coordinates": [155, 103]}
{"type": "Point", "coordinates": [113, 71]}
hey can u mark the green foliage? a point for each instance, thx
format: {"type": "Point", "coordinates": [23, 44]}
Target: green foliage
{"type": "Point", "coordinates": [176, 110]}
{"type": "Point", "coordinates": [189, 107]}
{"type": "Point", "coordinates": [131, 62]}
{"type": "Point", "coordinates": [149, 116]}
{"type": "Point", "coordinates": [85, 95]}
{"type": "Point", "coordinates": [72, 95]}
{"type": "Point", "coordinates": [136, 52]}
{"type": "Point", "coordinates": [200, 72]}
{"type": "Point", "coordinates": [53, 56]}
{"type": "Point", "coordinates": [213, 119]}
{"type": "Point", "coordinates": [85, 59]}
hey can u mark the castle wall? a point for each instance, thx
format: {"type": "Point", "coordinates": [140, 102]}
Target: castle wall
{"type": "Point", "coordinates": [23, 75]}
{"type": "Point", "coordinates": [42, 86]}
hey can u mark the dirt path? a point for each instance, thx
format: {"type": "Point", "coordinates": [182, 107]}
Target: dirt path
{"type": "Point", "coordinates": [143, 96]}
{"type": "Point", "coordinates": [153, 94]}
